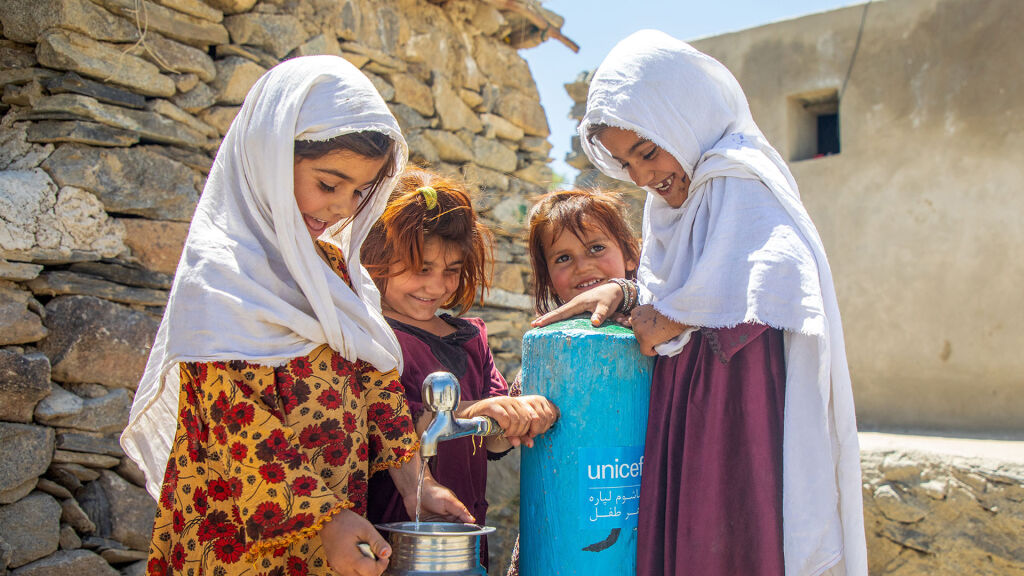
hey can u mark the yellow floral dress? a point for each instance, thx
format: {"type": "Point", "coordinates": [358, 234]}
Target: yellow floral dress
{"type": "Point", "coordinates": [264, 456]}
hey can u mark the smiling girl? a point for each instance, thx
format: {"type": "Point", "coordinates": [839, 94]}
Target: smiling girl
{"type": "Point", "coordinates": [272, 391]}
{"type": "Point", "coordinates": [429, 251]}
{"type": "Point", "coordinates": [751, 458]}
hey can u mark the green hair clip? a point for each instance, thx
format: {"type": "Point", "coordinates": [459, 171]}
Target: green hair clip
{"type": "Point", "coordinates": [429, 196]}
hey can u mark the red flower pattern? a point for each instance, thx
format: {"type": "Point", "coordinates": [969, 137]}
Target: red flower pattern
{"type": "Point", "coordinates": [238, 475]}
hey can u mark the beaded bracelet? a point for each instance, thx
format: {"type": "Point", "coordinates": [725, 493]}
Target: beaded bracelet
{"type": "Point", "coordinates": [629, 295]}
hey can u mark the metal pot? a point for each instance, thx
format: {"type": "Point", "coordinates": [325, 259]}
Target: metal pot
{"type": "Point", "coordinates": [429, 548]}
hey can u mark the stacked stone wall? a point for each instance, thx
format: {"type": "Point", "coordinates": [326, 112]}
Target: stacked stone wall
{"type": "Point", "coordinates": [111, 113]}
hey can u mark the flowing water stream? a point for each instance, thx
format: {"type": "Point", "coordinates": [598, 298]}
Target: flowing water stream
{"type": "Point", "coordinates": [419, 490]}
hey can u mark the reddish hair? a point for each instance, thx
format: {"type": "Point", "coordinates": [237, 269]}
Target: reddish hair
{"type": "Point", "coordinates": [395, 243]}
{"type": "Point", "coordinates": [575, 211]}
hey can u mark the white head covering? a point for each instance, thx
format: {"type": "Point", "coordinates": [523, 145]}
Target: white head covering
{"type": "Point", "coordinates": [250, 284]}
{"type": "Point", "coordinates": [740, 249]}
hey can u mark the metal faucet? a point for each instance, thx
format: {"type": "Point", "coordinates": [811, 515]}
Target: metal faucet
{"type": "Point", "coordinates": [441, 396]}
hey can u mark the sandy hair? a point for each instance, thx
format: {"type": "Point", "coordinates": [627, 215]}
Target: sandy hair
{"type": "Point", "coordinates": [575, 210]}
{"type": "Point", "coordinates": [395, 243]}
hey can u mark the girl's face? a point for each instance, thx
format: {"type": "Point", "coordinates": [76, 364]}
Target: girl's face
{"type": "Point", "coordinates": [415, 295]}
{"type": "Point", "coordinates": [576, 265]}
{"type": "Point", "coordinates": [648, 165]}
{"type": "Point", "coordinates": [329, 188]}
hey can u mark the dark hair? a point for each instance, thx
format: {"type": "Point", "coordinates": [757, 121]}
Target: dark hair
{"type": "Point", "coordinates": [370, 144]}
{"type": "Point", "coordinates": [594, 130]}
{"type": "Point", "coordinates": [395, 243]}
{"type": "Point", "coordinates": [575, 211]}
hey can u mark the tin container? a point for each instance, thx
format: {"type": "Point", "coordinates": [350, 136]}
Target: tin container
{"type": "Point", "coordinates": [427, 548]}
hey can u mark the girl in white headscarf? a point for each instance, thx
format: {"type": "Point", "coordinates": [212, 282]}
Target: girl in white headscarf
{"type": "Point", "coordinates": [288, 374]}
{"type": "Point", "coordinates": [751, 460]}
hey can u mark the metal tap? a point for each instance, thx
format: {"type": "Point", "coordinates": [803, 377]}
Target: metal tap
{"type": "Point", "coordinates": [441, 396]}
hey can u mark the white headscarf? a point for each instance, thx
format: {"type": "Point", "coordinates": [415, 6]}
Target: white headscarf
{"type": "Point", "coordinates": [741, 249]}
{"type": "Point", "coordinates": [250, 284]}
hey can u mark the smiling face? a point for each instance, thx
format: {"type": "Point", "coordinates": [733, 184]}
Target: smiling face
{"type": "Point", "coordinates": [329, 188]}
{"type": "Point", "coordinates": [414, 296]}
{"type": "Point", "coordinates": [648, 165]}
{"type": "Point", "coordinates": [577, 264]}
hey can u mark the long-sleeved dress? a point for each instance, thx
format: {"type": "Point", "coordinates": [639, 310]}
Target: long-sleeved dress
{"type": "Point", "coordinates": [459, 465]}
{"type": "Point", "coordinates": [263, 456]}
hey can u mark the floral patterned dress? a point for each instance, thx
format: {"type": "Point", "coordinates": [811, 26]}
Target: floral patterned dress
{"type": "Point", "coordinates": [264, 456]}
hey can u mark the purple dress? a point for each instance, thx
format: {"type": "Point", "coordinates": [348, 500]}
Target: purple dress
{"type": "Point", "coordinates": [458, 465]}
{"type": "Point", "coordinates": [711, 492]}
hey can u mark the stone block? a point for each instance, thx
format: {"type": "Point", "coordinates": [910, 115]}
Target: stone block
{"type": "Point", "coordinates": [509, 277]}
{"type": "Point", "coordinates": [157, 245]}
{"type": "Point", "coordinates": [235, 75]}
{"type": "Point", "coordinates": [496, 126]}
{"type": "Point", "coordinates": [196, 8]}
{"type": "Point", "coordinates": [78, 442]}
{"type": "Point", "coordinates": [409, 119]}
{"type": "Point", "coordinates": [453, 112]}
{"type": "Point", "coordinates": [320, 44]}
{"type": "Point", "coordinates": [503, 65]}
{"type": "Point", "coordinates": [59, 405]}
{"type": "Point", "coordinates": [92, 340]}
{"type": "Point", "coordinates": [67, 50]}
{"type": "Point", "coordinates": [79, 132]}
{"type": "Point", "coordinates": [71, 82]}
{"type": "Point", "coordinates": [196, 100]}
{"type": "Point", "coordinates": [32, 527]}
{"type": "Point", "coordinates": [16, 152]}
{"type": "Point", "coordinates": [69, 539]}
{"type": "Point", "coordinates": [232, 6]}
{"type": "Point", "coordinates": [73, 515]}
{"type": "Point", "coordinates": [129, 274]}
{"type": "Point", "coordinates": [149, 125]}
{"type": "Point", "coordinates": [278, 34]}
{"type": "Point", "coordinates": [494, 155]}
{"type": "Point", "coordinates": [115, 176]}
{"type": "Point", "coordinates": [176, 57]}
{"type": "Point", "coordinates": [127, 511]}
{"type": "Point", "coordinates": [412, 93]}
{"type": "Point", "coordinates": [106, 415]}
{"type": "Point", "coordinates": [85, 459]}
{"type": "Point", "coordinates": [24, 381]}
{"type": "Point", "coordinates": [449, 147]}
{"type": "Point", "coordinates": [220, 117]}
{"type": "Point", "coordinates": [387, 91]}
{"type": "Point", "coordinates": [18, 271]}
{"type": "Point", "coordinates": [538, 173]}
{"type": "Point", "coordinates": [77, 562]}
{"type": "Point", "coordinates": [421, 150]}
{"type": "Point", "coordinates": [18, 324]}
{"type": "Point", "coordinates": [523, 111]}
{"type": "Point", "coordinates": [184, 82]}
{"type": "Point", "coordinates": [25, 20]}
{"type": "Point", "coordinates": [173, 112]}
{"type": "Point", "coordinates": [484, 178]}
{"type": "Point", "coordinates": [65, 283]}
{"type": "Point", "coordinates": [171, 23]}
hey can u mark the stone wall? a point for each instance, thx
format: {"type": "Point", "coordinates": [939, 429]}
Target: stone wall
{"type": "Point", "coordinates": [111, 113]}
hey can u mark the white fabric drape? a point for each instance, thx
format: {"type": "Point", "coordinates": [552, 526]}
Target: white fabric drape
{"type": "Point", "coordinates": [740, 249]}
{"type": "Point", "coordinates": [250, 284]}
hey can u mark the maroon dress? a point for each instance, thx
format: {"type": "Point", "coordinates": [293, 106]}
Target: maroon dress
{"type": "Point", "coordinates": [711, 492]}
{"type": "Point", "coordinates": [458, 465]}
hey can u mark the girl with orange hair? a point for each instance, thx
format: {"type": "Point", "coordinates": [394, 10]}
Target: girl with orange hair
{"type": "Point", "coordinates": [429, 251]}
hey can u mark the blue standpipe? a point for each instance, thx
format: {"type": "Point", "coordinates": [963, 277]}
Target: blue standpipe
{"type": "Point", "coordinates": [580, 483]}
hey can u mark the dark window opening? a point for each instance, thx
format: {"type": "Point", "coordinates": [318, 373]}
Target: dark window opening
{"type": "Point", "coordinates": [814, 125]}
{"type": "Point", "coordinates": [828, 134]}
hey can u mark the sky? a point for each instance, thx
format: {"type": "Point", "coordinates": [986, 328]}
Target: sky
{"type": "Point", "coordinates": [596, 25]}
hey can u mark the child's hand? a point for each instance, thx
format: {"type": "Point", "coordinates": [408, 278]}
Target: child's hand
{"type": "Point", "coordinates": [340, 537]}
{"type": "Point", "coordinates": [521, 418]}
{"type": "Point", "coordinates": [602, 300]}
{"type": "Point", "coordinates": [652, 328]}
{"type": "Point", "coordinates": [547, 414]}
{"type": "Point", "coordinates": [438, 503]}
